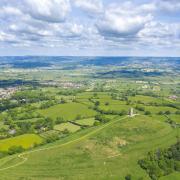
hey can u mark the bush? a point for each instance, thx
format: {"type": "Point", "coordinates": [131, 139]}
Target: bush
{"type": "Point", "coordinates": [128, 177]}
{"type": "Point", "coordinates": [15, 149]}
{"type": "Point", "coordinates": [147, 113]}
{"type": "Point", "coordinates": [140, 108]}
{"type": "Point", "coordinates": [52, 138]}
{"type": "Point", "coordinates": [167, 112]}
{"type": "Point", "coordinates": [97, 123]}
{"type": "Point", "coordinates": [160, 113]}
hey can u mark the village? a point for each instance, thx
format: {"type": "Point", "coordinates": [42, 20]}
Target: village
{"type": "Point", "coordinates": [7, 92]}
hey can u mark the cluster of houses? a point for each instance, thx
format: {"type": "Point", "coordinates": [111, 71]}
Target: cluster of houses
{"type": "Point", "coordinates": [7, 92]}
{"type": "Point", "coordinates": [173, 97]}
{"type": "Point", "coordinates": [63, 84]}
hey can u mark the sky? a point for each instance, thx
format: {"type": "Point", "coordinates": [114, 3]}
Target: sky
{"type": "Point", "coordinates": [90, 27]}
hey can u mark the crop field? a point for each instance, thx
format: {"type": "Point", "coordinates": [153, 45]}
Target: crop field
{"type": "Point", "coordinates": [26, 141]}
{"type": "Point", "coordinates": [67, 126]}
{"type": "Point", "coordinates": [111, 153]}
{"type": "Point", "coordinates": [68, 111]}
{"type": "Point", "coordinates": [86, 122]}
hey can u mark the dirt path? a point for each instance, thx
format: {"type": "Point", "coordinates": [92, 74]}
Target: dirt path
{"type": "Point", "coordinates": [24, 159]}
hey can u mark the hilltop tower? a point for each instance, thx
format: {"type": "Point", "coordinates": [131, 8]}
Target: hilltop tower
{"type": "Point", "coordinates": [131, 112]}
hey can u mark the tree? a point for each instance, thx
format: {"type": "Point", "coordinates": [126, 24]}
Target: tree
{"type": "Point", "coordinates": [160, 113]}
{"type": "Point", "coordinates": [97, 103]}
{"type": "Point", "coordinates": [167, 112]}
{"type": "Point", "coordinates": [128, 177]}
{"type": "Point", "coordinates": [147, 113]}
{"type": "Point", "coordinates": [15, 149]}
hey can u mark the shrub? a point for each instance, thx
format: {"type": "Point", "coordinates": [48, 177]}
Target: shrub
{"type": "Point", "coordinates": [147, 113]}
{"type": "Point", "coordinates": [15, 149]}
{"type": "Point", "coordinates": [128, 177]}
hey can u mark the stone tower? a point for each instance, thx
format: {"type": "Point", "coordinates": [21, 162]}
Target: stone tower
{"type": "Point", "coordinates": [131, 112]}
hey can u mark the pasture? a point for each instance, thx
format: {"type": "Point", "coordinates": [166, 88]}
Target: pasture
{"type": "Point", "coordinates": [147, 99]}
{"type": "Point", "coordinates": [68, 111]}
{"type": "Point", "coordinates": [26, 141]}
{"type": "Point", "coordinates": [86, 122]}
{"type": "Point", "coordinates": [67, 126]}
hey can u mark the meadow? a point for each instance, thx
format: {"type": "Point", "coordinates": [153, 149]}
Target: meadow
{"type": "Point", "coordinates": [86, 122]}
{"type": "Point", "coordinates": [67, 126]}
{"type": "Point", "coordinates": [68, 111]}
{"type": "Point", "coordinates": [26, 141]}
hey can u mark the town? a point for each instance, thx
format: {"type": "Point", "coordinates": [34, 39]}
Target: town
{"type": "Point", "coordinates": [8, 92]}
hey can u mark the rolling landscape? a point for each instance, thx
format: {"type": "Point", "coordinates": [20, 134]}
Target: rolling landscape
{"type": "Point", "coordinates": [59, 122]}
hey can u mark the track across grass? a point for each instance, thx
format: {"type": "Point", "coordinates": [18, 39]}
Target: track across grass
{"type": "Point", "coordinates": [24, 159]}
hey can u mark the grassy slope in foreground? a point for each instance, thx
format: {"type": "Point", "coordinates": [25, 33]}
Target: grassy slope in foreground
{"type": "Point", "coordinates": [26, 141]}
{"type": "Point", "coordinates": [111, 153]}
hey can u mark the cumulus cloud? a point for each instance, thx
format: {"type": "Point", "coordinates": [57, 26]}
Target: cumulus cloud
{"type": "Point", "coordinates": [161, 30]}
{"type": "Point", "coordinates": [123, 21]}
{"type": "Point", "coordinates": [103, 24]}
{"type": "Point", "coordinates": [171, 6]}
{"type": "Point", "coordinates": [47, 10]}
{"type": "Point", "coordinates": [114, 25]}
{"type": "Point", "coordinates": [90, 6]}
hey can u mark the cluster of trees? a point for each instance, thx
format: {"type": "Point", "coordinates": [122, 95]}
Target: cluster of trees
{"type": "Point", "coordinates": [47, 104]}
{"type": "Point", "coordinates": [111, 112]}
{"type": "Point", "coordinates": [8, 104]}
{"type": "Point", "coordinates": [22, 114]}
{"type": "Point", "coordinates": [69, 92]}
{"type": "Point", "coordinates": [43, 124]}
{"type": "Point", "coordinates": [101, 118]}
{"type": "Point", "coordinates": [52, 138]}
{"type": "Point", "coordinates": [12, 150]}
{"type": "Point", "coordinates": [28, 96]}
{"type": "Point", "coordinates": [164, 112]}
{"type": "Point", "coordinates": [162, 162]}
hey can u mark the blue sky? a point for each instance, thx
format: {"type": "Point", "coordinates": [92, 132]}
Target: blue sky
{"type": "Point", "coordinates": [90, 27]}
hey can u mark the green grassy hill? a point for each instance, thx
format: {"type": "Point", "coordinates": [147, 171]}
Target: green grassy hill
{"type": "Point", "coordinates": [110, 151]}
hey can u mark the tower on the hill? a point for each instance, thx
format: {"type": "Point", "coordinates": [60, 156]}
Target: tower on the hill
{"type": "Point", "coordinates": [131, 112]}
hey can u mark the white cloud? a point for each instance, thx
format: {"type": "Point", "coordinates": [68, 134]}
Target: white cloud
{"type": "Point", "coordinates": [108, 24]}
{"type": "Point", "coordinates": [160, 33]}
{"type": "Point", "coordinates": [90, 6]}
{"type": "Point", "coordinates": [172, 6]}
{"type": "Point", "coordinates": [47, 10]}
{"type": "Point", "coordinates": [123, 21]}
